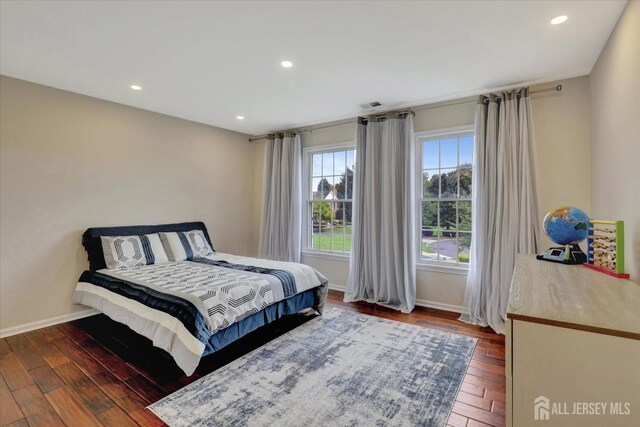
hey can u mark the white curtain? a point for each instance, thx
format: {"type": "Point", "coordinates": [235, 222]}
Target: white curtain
{"type": "Point", "coordinates": [281, 199]}
{"type": "Point", "coordinates": [382, 268]}
{"type": "Point", "coordinates": [505, 213]}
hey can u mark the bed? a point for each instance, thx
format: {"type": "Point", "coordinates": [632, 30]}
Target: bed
{"type": "Point", "coordinates": [194, 307]}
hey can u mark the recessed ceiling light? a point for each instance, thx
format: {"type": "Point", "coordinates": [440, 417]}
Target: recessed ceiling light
{"type": "Point", "coordinates": [559, 20]}
{"type": "Point", "coordinates": [240, 117]}
{"type": "Point", "coordinates": [136, 87]}
{"type": "Point", "coordinates": [287, 64]}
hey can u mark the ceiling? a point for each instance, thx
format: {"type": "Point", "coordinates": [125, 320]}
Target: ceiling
{"type": "Point", "coordinates": [211, 61]}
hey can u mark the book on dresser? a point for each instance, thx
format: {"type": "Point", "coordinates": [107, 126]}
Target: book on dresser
{"type": "Point", "coordinates": [572, 347]}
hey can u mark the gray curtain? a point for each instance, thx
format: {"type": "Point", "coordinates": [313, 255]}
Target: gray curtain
{"type": "Point", "coordinates": [382, 268]}
{"type": "Point", "coordinates": [281, 199]}
{"type": "Point", "coordinates": [505, 213]}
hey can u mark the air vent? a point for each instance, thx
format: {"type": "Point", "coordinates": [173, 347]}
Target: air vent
{"type": "Point", "coordinates": [370, 105]}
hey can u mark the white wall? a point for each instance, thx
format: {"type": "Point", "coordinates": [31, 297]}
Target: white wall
{"type": "Point", "coordinates": [69, 162]}
{"type": "Point", "coordinates": [615, 133]}
{"type": "Point", "coordinates": [561, 123]}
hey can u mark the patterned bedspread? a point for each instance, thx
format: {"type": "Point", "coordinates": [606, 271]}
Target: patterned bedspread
{"type": "Point", "coordinates": [179, 305]}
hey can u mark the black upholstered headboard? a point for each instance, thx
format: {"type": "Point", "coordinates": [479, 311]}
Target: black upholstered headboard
{"type": "Point", "coordinates": [93, 245]}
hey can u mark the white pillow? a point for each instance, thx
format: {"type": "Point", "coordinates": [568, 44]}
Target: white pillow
{"type": "Point", "coordinates": [133, 251]}
{"type": "Point", "coordinates": [183, 245]}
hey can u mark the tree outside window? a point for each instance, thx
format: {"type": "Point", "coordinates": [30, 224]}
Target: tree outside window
{"type": "Point", "coordinates": [447, 173]}
{"type": "Point", "coordinates": [330, 200]}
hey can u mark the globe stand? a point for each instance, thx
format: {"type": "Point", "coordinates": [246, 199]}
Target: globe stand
{"type": "Point", "coordinates": [570, 254]}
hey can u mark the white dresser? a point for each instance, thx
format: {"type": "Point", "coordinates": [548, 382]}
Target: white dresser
{"type": "Point", "coordinates": [573, 347]}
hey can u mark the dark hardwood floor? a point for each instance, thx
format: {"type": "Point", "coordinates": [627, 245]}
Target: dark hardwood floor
{"type": "Point", "coordinates": [94, 371]}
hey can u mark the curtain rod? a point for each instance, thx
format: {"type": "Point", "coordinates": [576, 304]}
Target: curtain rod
{"type": "Point", "coordinates": [556, 88]}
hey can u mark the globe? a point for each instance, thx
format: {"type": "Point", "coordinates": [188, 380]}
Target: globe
{"type": "Point", "coordinates": [567, 225]}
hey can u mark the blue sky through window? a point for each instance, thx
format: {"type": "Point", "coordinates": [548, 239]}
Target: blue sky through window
{"type": "Point", "coordinates": [443, 153]}
{"type": "Point", "coordinates": [466, 149]}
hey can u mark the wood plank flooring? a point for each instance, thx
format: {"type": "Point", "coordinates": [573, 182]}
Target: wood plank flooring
{"type": "Point", "coordinates": [95, 372]}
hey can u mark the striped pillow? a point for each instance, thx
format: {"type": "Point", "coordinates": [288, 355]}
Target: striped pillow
{"type": "Point", "coordinates": [132, 251]}
{"type": "Point", "coordinates": [184, 245]}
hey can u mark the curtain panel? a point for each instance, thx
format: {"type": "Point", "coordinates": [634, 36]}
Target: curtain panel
{"type": "Point", "coordinates": [505, 211]}
{"type": "Point", "coordinates": [382, 267]}
{"type": "Point", "coordinates": [280, 225]}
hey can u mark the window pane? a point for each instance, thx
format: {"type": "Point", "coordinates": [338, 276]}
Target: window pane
{"type": "Point", "coordinates": [321, 213]}
{"type": "Point", "coordinates": [326, 240]}
{"type": "Point", "coordinates": [447, 216]}
{"type": "Point", "coordinates": [429, 214]}
{"type": "Point", "coordinates": [316, 240]}
{"type": "Point", "coordinates": [444, 248]}
{"type": "Point", "coordinates": [341, 186]}
{"type": "Point", "coordinates": [448, 183]}
{"type": "Point", "coordinates": [316, 216]}
{"type": "Point", "coordinates": [336, 241]}
{"type": "Point", "coordinates": [429, 238]}
{"type": "Point", "coordinates": [430, 154]}
{"type": "Point", "coordinates": [351, 160]}
{"type": "Point", "coordinates": [430, 183]}
{"type": "Point", "coordinates": [328, 189]}
{"type": "Point", "coordinates": [339, 160]}
{"type": "Point", "coordinates": [449, 153]}
{"type": "Point", "coordinates": [466, 150]}
{"type": "Point", "coordinates": [347, 242]}
{"type": "Point", "coordinates": [327, 164]}
{"type": "Point", "coordinates": [339, 214]}
{"type": "Point", "coordinates": [448, 246]}
{"type": "Point", "coordinates": [349, 186]}
{"type": "Point", "coordinates": [316, 188]}
{"type": "Point", "coordinates": [322, 188]}
{"type": "Point", "coordinates": [465, 182]}
{"type": "Point", "coordinates": [316, 161]}
{"type": "Point", "coordinates": [330, 193]}
{"type": "Point", "coordinates": [464, 244]}
{"type": "Point", "coordinates": [348, 215]}
{"type": "Point", "coordinates": [464, 215]}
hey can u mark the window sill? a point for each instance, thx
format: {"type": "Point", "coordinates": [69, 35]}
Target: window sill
{"type": "Point", "coordinates": [424, 266]}
{"type": "Point", "coordinates": [327, 255]}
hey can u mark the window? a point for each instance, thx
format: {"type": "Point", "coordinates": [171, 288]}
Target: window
{"type": "Point", "coordinates": [329, 192]}
{"type": "Point", "coordinates": [445, 196]}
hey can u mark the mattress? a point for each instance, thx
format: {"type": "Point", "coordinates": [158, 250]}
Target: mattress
{"type": "Point", "coordinates": [193, 308]}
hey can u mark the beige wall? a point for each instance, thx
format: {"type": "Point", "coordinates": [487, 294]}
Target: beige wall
{"type": "Point", "coordinates": [562, 132]}
{"type": "Point", "coordinates": [563, 157]}
{"type": "Point", "coordinates": [69, 162]}
{"type": "Point", "coordinates": [615, 133]}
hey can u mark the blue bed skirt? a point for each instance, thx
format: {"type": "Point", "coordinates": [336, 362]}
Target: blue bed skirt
{"type": "Point", "coordinates": [249, 324]}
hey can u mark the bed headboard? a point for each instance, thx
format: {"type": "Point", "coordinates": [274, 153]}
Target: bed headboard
{"type": "Point", "coordinates": [93, 245]}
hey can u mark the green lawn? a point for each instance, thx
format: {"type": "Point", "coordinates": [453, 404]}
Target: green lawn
{"type": "Point", "coordinates": [426, 249]}
{"type": "Point", "coordinates": [333, 239]}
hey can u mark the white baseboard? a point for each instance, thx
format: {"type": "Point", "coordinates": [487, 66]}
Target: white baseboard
{"type": "Point", "coordinates": [14, 330]}
{"type": "Point", "coordinates": [441, 306]}
{"type": "Point", "coordinates": [419, 302]}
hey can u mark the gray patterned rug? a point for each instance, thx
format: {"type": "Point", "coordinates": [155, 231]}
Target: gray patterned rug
{"type": "Point", "coordinates": [341, 369]}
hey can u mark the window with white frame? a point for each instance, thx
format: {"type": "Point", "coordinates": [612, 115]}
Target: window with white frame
{"type": "Point", "coordinates": [329, 193]}
{"type": "Point", "coordinates": [445, 197]}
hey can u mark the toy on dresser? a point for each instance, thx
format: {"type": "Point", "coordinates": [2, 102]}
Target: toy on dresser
{"type": "Point", "coordinates": [605, 248]}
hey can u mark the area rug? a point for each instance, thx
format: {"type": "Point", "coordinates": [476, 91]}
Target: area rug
{"type": "Point", "coordinates": [341, 369]}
